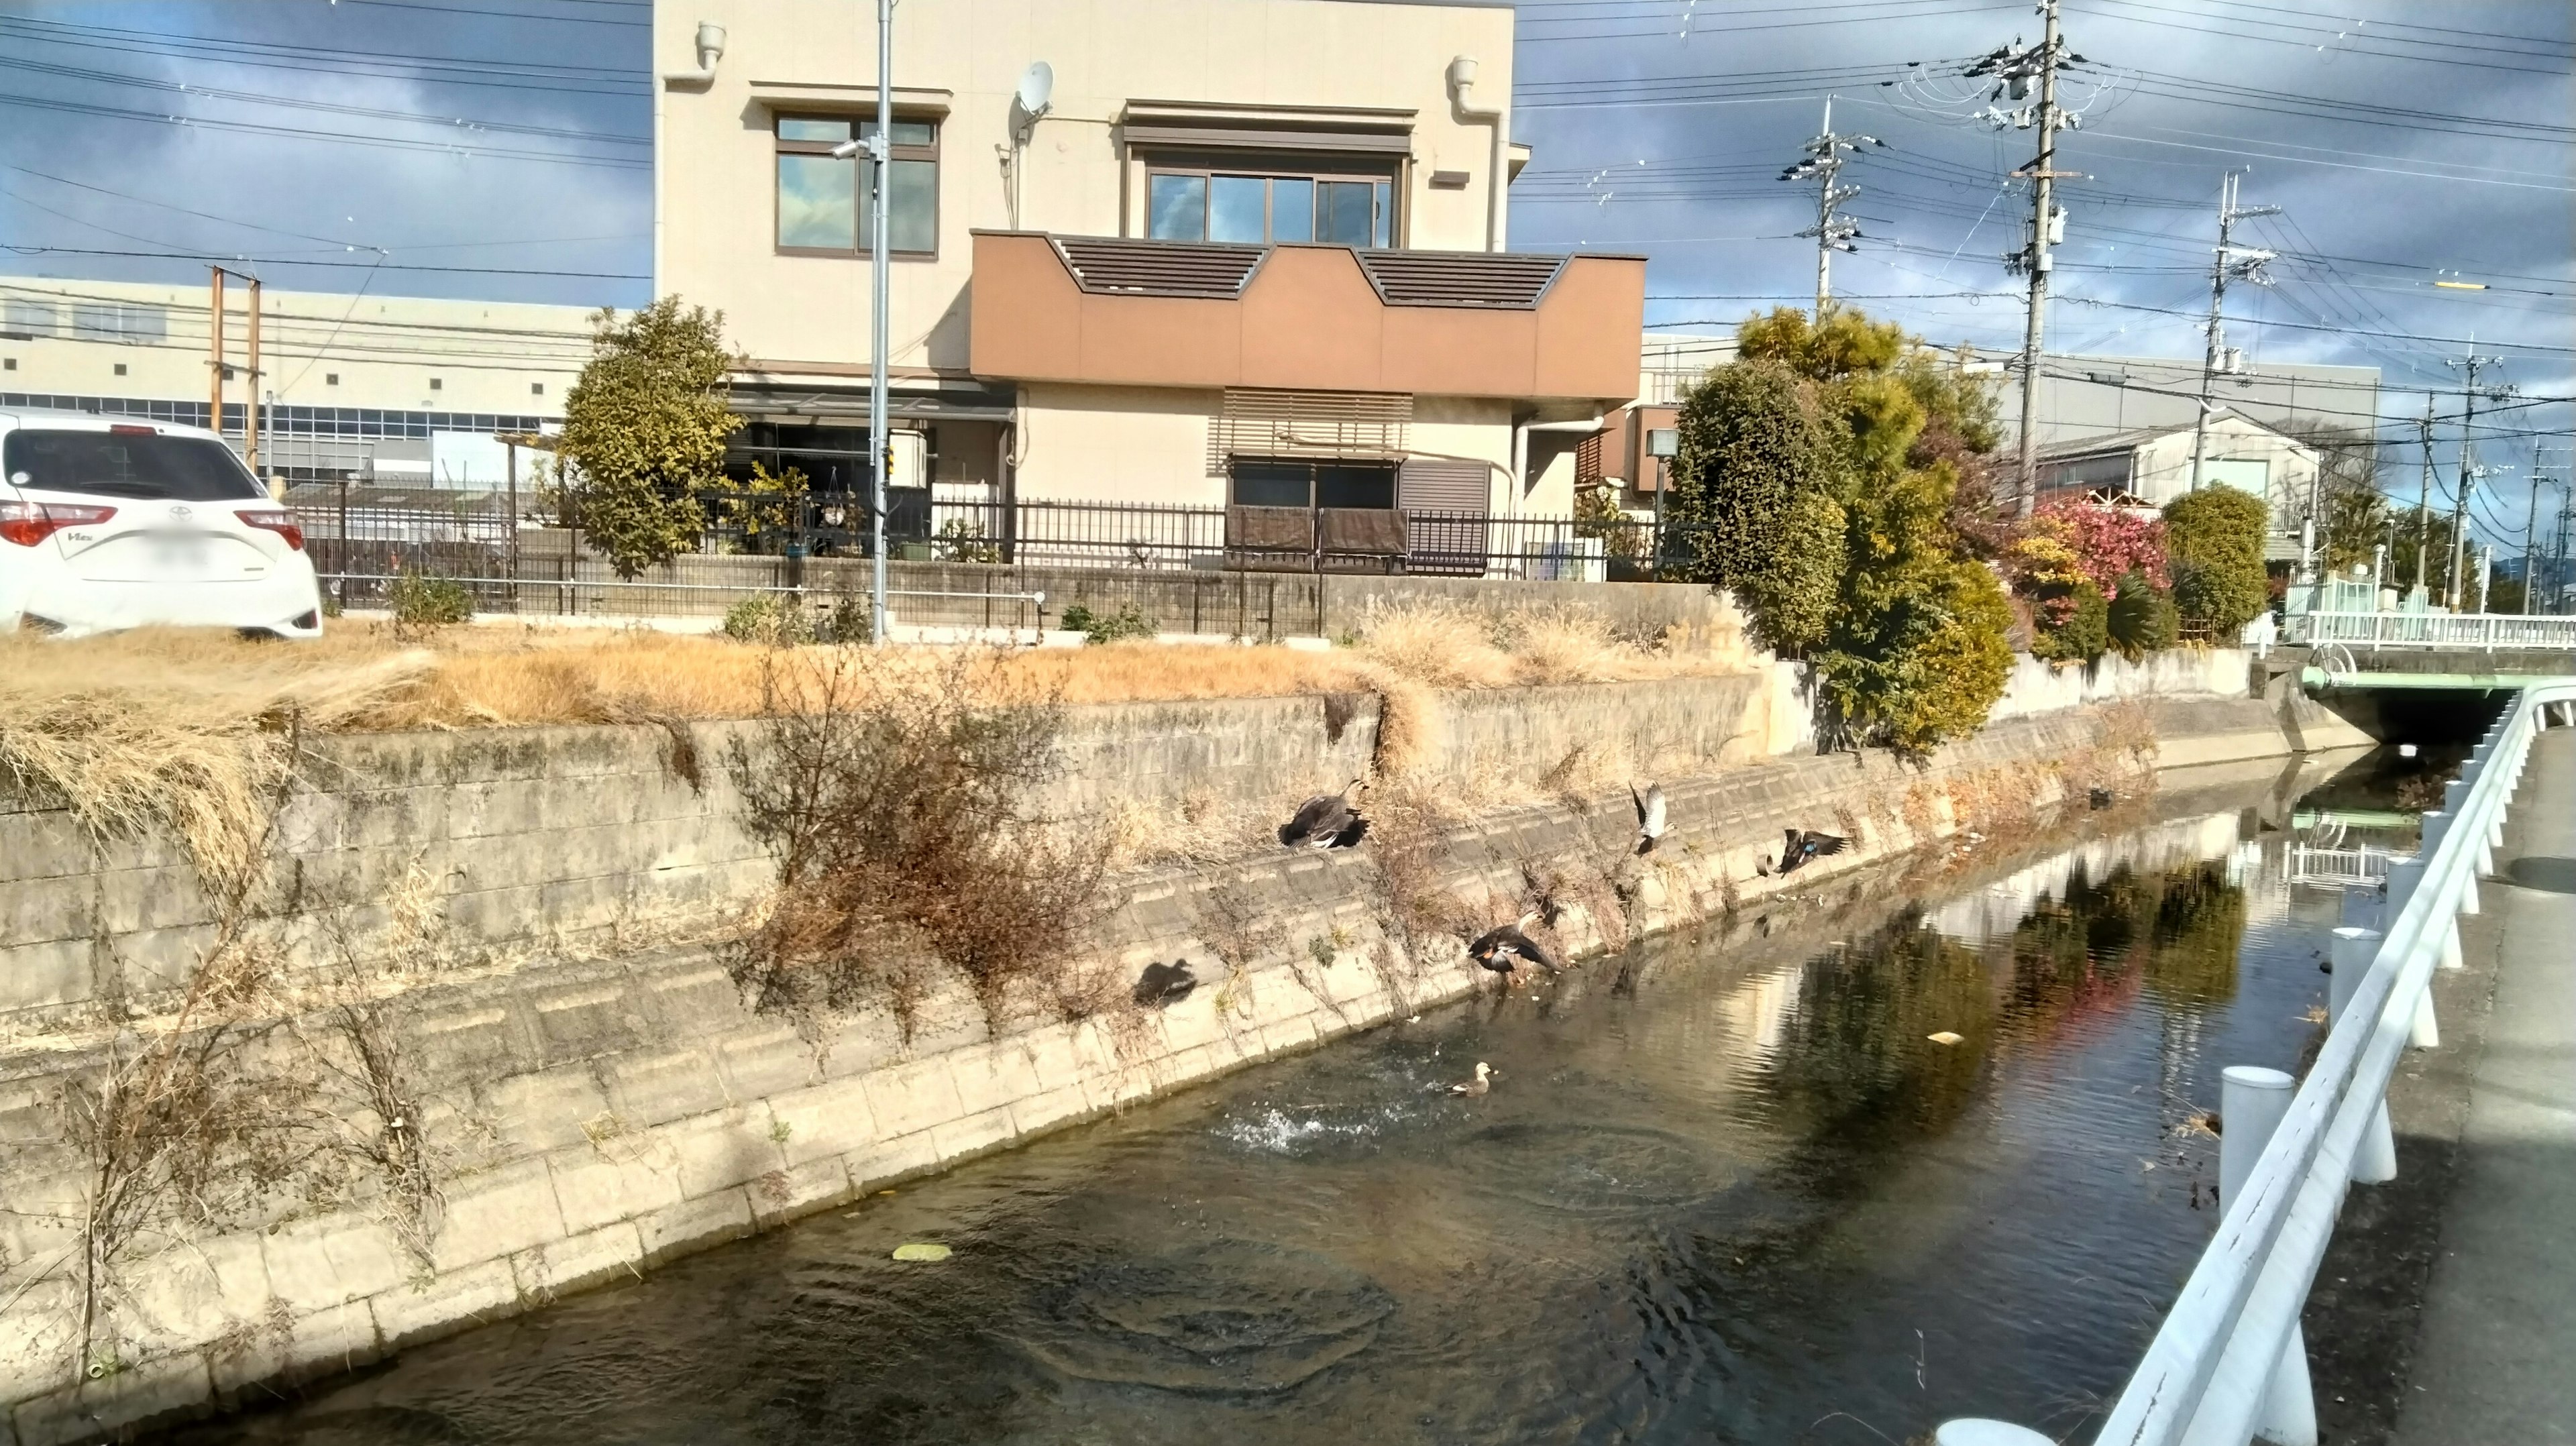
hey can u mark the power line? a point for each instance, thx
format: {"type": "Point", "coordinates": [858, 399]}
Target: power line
{"type": "Point", "coordinates": [348, 265]}
{"type": "Point", "coordinates": [335, 137]}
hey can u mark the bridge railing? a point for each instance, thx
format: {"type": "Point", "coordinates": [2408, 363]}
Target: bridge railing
{"type": "Point", "coordinates": [2488, 632]}
{"type": "Point", "coordinates": [2229, 1360]}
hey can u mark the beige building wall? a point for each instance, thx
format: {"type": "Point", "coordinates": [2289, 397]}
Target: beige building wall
{"type": "Point", "coordinates": [1116, 444]}
{"type": "Point", "coordinates": [385, 352]}
{"type": "Point", "coordinates": [959, 61]}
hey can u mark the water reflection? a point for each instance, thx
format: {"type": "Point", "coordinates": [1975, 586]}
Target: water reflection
{"type": "Point", "coordinates": [1744, 1197]}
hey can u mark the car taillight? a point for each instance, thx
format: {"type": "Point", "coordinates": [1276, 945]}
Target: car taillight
{"type": "Point", "coordinates": [277, 520]}
{"type": "Point", "coordinates": [28, 523]}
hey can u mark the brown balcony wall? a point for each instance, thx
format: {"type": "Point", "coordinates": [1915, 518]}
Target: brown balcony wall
{"type": "Point", "coordinates": [1465, 324]}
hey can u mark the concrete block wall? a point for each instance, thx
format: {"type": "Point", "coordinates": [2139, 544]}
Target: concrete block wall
{"type": "Point", "coordinates": [610, 1113]}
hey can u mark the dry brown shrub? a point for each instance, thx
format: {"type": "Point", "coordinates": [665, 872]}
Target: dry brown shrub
{"type": "Point", "coordinates": [178, 730]}
{"type": "Point", "coordinates": [896, 791]}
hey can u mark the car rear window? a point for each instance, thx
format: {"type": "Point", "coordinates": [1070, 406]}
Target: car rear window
{"type": "Point", "coordinates": [126, 464]}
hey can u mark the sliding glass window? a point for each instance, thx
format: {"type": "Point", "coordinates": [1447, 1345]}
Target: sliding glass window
{"type": "Point", "coordinates": [823, 199]}
{"type": "Point", "coordinates": [1218, 205]}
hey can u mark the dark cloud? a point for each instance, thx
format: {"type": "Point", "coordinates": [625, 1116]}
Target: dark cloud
{"type": "Point", "coordinates": [530, 152]}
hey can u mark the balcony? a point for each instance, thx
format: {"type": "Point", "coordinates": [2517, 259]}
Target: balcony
{"type": "Point", "coordinates": [1322, 318]}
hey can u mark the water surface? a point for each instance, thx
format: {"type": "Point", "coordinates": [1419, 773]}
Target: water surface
{"type": "Point", "coordinates": [1716, 1195]}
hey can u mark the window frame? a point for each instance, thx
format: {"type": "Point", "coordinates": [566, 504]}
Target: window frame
{"type": "Point", "coordinates": [1256, 167]}
{"type": "Point", "coordinates": [859, 126]}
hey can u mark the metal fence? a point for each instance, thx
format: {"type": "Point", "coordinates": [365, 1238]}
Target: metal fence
{"type": "Point", "coordinates": [2229, 1363]}
{"type": "Point", "coordinates": [479, 534]}
{"type": "Point", "coordinates": [2486, 632]}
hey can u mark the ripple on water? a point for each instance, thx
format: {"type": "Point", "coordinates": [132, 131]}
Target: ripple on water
{"type": "Point", "coordinates": [1310, 1129]}
{"type": "Point", "coordinates": [1593, 1168]}
{"type": "Point", "coordinates": [1226, 1317]}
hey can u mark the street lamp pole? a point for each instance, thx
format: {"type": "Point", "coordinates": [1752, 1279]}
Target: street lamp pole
{"type": "Point", "coordinates": [881, 445]}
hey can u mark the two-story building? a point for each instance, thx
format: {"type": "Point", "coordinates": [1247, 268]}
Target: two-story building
{"type": "Point", "coordinates": [1240, 253]}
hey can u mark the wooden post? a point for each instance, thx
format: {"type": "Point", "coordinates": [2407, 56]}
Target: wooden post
{"type": "Point", "coordinates": [250, 405]}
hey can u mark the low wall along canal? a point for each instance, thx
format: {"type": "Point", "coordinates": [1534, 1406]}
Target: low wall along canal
{"type": "Point", "coordinates": [599, 1100]}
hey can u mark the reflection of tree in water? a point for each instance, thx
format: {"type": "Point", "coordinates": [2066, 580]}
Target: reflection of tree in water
{"type": "Point", "coordinates": [1855, 1068]}
{"type": "Point", "coordinates": [2199, 927]}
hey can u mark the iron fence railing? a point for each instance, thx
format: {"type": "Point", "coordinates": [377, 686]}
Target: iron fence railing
{"type": "Point", "coordinates": [2229, 1364]}
{"type": "Point", "coordinates": [2483, 632]}
{"type": "Point", "coordinates": [485, 535]}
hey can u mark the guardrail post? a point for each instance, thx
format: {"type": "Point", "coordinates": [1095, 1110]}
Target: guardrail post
{"type": "Point", "coordinates": [2360, 909]}
{"type": "Point", "coordinates": [2251, 1102]}
{"type": "Point", "coordinates": [2374, 1159]}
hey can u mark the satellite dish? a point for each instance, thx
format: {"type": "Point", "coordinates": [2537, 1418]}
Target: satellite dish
{"type": "Point", "coordinates": [1037, 88]}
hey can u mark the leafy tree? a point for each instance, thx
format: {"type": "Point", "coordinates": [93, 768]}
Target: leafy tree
{"type": "Point", "coordinates": [645, 429]}
{"type": "Point", "coordinates": [2142, 618]}
{"type": "Point", "coordinates": [2352, 514]}
{"type": "Point", "coordinates": [2073, 627]}
{"type": "Point", "coordinates": [1750, 438]}
{"type": "Point", "coordinates": [1850, 421]}
{"type": "Point", "coordinates": [2214, 541]}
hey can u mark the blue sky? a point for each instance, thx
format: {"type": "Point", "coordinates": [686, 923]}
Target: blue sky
{"type": "Point", "coordinates": [501, 149]}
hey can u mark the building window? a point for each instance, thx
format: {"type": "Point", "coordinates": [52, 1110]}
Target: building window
{"type": "Point", "coordinates": [1217, 205]}
{"type": "Point", "coordinates": [120, 370]}
{"type": "Point", "coordinates": [536, 389]}
{"type": "Point", "coordinates": [436, 385]}
{"type": "Point", "coordinates": [330, 379]}
{"type": "Point", "coordinates": [821, 198]}
{"type": "Point", "coordinates": [1283, 482]}
{"type": "Point", "coordinates": [8, 364]}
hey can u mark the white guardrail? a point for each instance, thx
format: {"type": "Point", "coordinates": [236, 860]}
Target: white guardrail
{"type": "Point", "coordinates": [2229, 1361]}
{"type": "Point", "coordinates": [2488, 632]}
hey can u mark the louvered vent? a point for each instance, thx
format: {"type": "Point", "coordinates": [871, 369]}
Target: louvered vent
{"type": "Point", "coordinates": [1159, 268]}
{"type": "Point", "coordinates": [1459, 278]}
{"type": "Point", "coordinates": [1264, 422]}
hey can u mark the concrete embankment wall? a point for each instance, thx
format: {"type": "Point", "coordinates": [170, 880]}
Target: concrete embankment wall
{"type": "Point", "coordinates": [597, 1114]}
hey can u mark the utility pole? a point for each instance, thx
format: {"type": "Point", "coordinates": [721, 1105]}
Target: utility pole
{"type": "Point", "coordinates": [2455, 591]}
{"type": "Point", "coordinates": [215, 353]}
{"type": "Point", "coordinates": [1833, 232]}
{"type": "Point", "coordinates": [2424, 498]}
{"type": "Point", "coordinates": [250, 400]}
{"type": "Point", "coordinates": [2015, 68]}
{"type": "Point", "coordinates": [2232, 263]}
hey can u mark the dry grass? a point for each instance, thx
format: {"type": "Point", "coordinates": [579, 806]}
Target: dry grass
{"type": "Point", "coordinates": [164, 729]}
{"type": "Point", "coordinates": [189, 729]}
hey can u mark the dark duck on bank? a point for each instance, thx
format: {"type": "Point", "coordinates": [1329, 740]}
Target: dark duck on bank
{"type": "Point", "coordinates": [1801, 846]}
{"type": "Point", "coordinates": [1502, 947]}
{"type": "Point", "coordinates": [1326, 821]}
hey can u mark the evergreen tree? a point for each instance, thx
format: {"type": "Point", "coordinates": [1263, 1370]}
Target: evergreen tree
{"type": "Point", "coordinates": [644, 432]}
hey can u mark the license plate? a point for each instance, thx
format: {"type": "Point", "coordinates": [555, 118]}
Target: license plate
{"type": "Point", "coordinates": [178, 554]}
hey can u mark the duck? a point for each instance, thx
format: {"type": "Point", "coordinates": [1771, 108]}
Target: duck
{"type": "Point", "coordinates": [1481, 1084]}
{"type": "Point", "coordinates": [1498, 947]}
{"type": "Point", "coordinates": [1802, 845]}
{"type": "Point", "coordinates": [1163, 984]}
{"type": "Point", "coordinates": [1650, 816]}
{"type": "Point", "coordinates": [1326, 821]}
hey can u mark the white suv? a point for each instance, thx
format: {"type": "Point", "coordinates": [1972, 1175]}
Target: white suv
{"type": "Point", "coordinates": [110, 523]}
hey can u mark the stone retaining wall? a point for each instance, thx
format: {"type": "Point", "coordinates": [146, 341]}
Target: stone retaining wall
{"type": "Point", "coordinates": [609, 1113]}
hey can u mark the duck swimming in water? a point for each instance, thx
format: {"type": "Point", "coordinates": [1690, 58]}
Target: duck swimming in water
{"type": "Point", "coordinates": [1483, 1081]}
